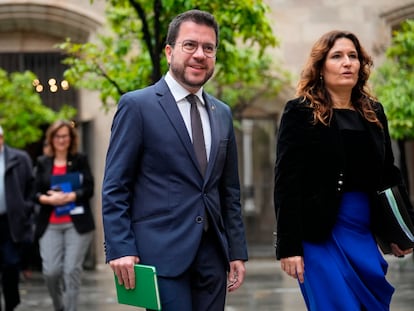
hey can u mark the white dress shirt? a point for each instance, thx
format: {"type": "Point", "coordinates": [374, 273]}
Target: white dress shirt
{"type": "Point", "coordinates": [180, 94]}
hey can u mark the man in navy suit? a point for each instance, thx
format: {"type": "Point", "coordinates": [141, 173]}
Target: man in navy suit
{"type": "Point", "coordinates": [16, 208]}
{"type": "Point", "coordinates": [160, 205]}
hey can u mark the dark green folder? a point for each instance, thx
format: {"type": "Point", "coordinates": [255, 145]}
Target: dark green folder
{"type": "Point", "coordinates": [145, 294]}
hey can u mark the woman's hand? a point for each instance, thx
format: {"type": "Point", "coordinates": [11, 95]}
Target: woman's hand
{"type": "Point", "coordinates": [56, 198]}
{"type": "Point", "coordinates": [294, 266]}
{"type": "Point", "coordinates": [398, 252]}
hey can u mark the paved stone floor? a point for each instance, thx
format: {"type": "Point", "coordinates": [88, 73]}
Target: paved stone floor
{"type": "Point", "coordinates": [266, 289]}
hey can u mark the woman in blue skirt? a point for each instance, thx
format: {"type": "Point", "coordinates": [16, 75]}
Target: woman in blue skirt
{"type": "Point", "coordinates": [333, 155]}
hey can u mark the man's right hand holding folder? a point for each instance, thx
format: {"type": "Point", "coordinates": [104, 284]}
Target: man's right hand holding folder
{"type": "Point", "coordinates": [124, 270]}
{"type": "Point", "coordinates": [136, 284]}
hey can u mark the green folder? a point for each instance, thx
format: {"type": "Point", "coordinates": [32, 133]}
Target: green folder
{"type": "Point", "coordinates": [145, 294]}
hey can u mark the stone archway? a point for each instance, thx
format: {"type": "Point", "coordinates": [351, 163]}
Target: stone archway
{"type": "Point", "coordinates": [31, 30]}
{"type": "Point", "coordinates": [55, 20]}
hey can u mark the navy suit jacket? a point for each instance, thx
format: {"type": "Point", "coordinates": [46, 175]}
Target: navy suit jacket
{"type": "Point", "coordinates": [154, 196]}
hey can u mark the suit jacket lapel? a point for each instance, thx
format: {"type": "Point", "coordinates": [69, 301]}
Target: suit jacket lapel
{"type": "Point", "coordinates": [168, 104]}
{"type": "Point", "coordinates": [214, 127]}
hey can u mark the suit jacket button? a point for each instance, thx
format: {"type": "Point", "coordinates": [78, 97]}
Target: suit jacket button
{"type": "Point", "coordinates": [199, 219]}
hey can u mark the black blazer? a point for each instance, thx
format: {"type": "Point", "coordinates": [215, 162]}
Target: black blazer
{"type": "Point", "coordinates": [308, 183]}
{"type": "Point", "coordinates": [43, 171]}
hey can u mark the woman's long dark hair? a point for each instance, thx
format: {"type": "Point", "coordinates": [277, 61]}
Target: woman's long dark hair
{"type": "Point", "coordinates": [312, 88]}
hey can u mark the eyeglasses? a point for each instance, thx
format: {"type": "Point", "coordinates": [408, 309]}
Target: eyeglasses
{"type": "Point", "coordinates": [190, 46]}
{"type": "Point", "coordinates": [66, 136]}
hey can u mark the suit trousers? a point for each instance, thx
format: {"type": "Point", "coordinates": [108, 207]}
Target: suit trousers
{"type": "Point", "coordinates": [10, 259]}
{"type": "Point", "coordinates": [63, 251]}
{"type": "Point", "coordinates": [203, 286]}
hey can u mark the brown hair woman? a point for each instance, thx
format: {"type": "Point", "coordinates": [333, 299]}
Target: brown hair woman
{"type": "Point", "coordinates": [64, 224]}
{"type": "Point", "coordinates": [333, 155]}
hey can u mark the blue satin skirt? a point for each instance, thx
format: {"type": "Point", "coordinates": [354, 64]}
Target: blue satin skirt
{"type": "Point", "coordinates": [347, 272]}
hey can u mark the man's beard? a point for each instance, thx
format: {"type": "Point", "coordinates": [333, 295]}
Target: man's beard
{"type": "Point", "coordinates": [179, 74]}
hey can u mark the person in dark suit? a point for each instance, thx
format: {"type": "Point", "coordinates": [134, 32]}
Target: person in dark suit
{"type": "Point", "coordinates": [16, 208]}
{"type": "Point", "coordinates": [64, 238]}
{"type": "Point", "coordinates": [333, 155]}
{"type": "Point", "coordinates": [162, 205]}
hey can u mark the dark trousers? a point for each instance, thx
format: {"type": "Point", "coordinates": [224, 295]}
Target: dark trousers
{"type": "Point", "coordinates": [9, 266]}
{"type": "Point", "coordinates": [203, 286]}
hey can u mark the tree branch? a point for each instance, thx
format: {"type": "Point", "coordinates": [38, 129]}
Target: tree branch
{"type": "Point", "coordinates": [145, 30]}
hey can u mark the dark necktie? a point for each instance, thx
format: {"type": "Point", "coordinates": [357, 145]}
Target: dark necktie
{"type": "Point", "coordinates": [197, 132]}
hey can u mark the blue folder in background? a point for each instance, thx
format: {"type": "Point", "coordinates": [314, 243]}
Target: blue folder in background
{"type": "Point", "coordinates": [66, 183]}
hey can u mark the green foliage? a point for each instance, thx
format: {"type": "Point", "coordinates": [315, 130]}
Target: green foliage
{"type": "Point", "coordinates": [394, 83]}
{"type": "Point", "coordinates": [22, 112]}
{"type": "Point", "coordinates": [133, 56]}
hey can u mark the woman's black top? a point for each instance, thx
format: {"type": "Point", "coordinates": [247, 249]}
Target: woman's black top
{"type": "Point", "coordinates": [361, 163]}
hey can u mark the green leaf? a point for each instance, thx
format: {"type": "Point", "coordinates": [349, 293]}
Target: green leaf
{"type": "Point", "coordinates": [394, 82]}
{"type": "Point", "coordinates": [22, 113]}
{"type": "Point", "coordinates": [133, 56]}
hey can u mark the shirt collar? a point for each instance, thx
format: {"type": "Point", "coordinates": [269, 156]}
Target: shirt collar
{"type": "Point", "coordinates": [178, 91]}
